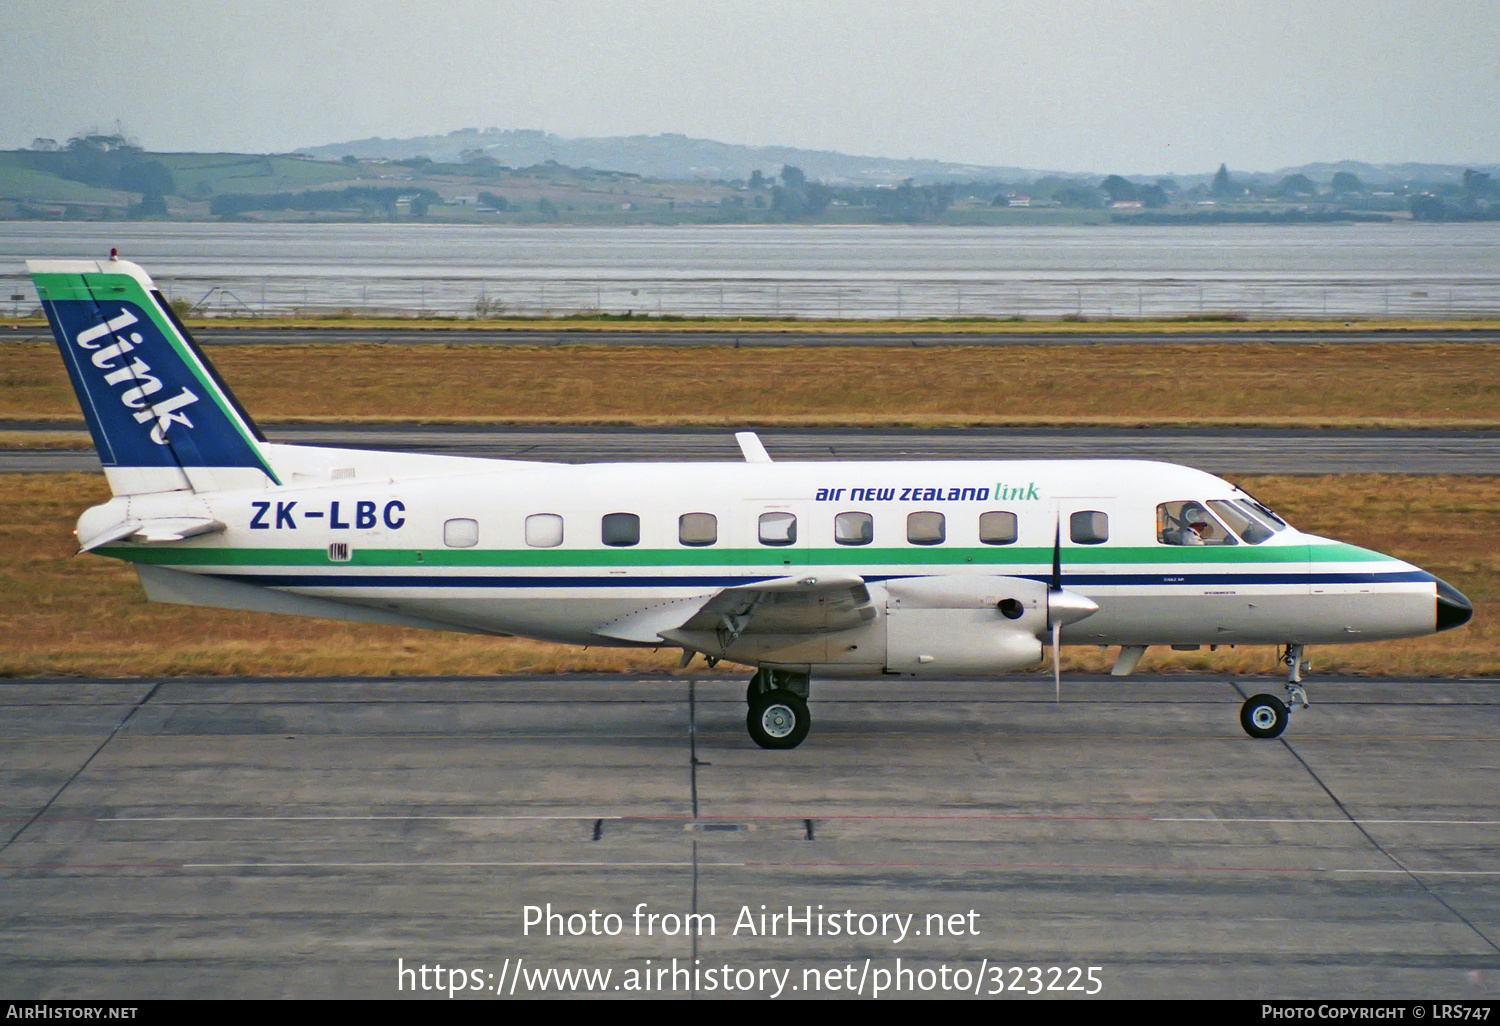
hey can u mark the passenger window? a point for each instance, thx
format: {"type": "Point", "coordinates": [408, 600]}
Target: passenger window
{"type": "Point", "coordinates": [697, 529]}
{"type": "Point", "coordinates": [997, 528]}
{"type": "Point", "coordinates": [1088, 527]}
{"type": "Point", "coordinates": [461, 533]}
{"type": "Point", "coordinates": [926, 528]}
{"type": "Point", "coordinates": [620, 529]}
{"type": "Point", "coordinates": [778, 529]}
{"type": "Point", "coordinates": [854, 529]}
{"type": "Point", "coordinates": [544, 530]}
{"type": "Point", "coordinates": [1188, 522]}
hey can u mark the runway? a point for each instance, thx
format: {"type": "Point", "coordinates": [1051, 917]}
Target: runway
{"type": "Point", "coordinates": [1218, 451]}
{"type": "Point", "coordinates": [315, 838]}
{"type": "Point", "coordinates": [477, 334]}
{"type": "Point", "coordinates": [783, 339]}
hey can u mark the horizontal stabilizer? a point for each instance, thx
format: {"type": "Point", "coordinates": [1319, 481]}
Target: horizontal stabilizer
{"type": "Point", "coordinates": [160, 529]}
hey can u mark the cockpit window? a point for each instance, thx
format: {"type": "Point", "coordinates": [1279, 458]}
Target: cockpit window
{"type": "Point", "coordinates": [1241, 522]}
{"type": "Point", "coordinates": [1264, 513]}
{"type": "Point", "coordinates": [1188, 522]}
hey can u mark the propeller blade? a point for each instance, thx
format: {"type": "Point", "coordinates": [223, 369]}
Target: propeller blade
{"type": "Point", "coordinates": [1056, 584]}
{"type": "Point", "coordinates": [1055, 589]}
{"type": "Point", "coordinates": [1056, 665]}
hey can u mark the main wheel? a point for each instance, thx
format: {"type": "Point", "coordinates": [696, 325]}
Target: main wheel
{"type": "Point", "coordinates": [777, 719]}
{"type": "Point", "coordinates": [1263, 716]}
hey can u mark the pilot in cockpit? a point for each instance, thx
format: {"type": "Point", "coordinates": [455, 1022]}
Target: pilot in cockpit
{"type": "Point", "coordinates": [1190, 527]}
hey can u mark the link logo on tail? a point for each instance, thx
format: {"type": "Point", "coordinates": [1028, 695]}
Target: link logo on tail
{"type": "Point", "coordinates": [159, 416]}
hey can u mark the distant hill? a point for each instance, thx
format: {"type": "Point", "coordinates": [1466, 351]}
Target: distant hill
{"type": "Point", "coordinates": [534, 177]}
{"type": "Point", "coordinates": [673, 157]}
{"type": "Point", "coordinates": [1391, 174]}
{"type": "Point", "coordinates": [669, 157]}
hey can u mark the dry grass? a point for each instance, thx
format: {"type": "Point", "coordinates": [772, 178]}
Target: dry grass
{"type": "Point", "coordinates": [1392, 385]}
{"type": "Point", "coordinates": [58, 440]}
{"type": "Point", "coordinates": [65, 615]}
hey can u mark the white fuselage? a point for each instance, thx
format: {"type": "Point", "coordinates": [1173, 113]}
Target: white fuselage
{"type": "Point", "coordinates": [520, 549]}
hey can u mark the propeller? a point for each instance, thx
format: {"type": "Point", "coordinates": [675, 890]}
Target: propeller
{"type": "Point", "coordinates": [1063, 607]}
{"type": "Point", "coordinates": [1055, 588]}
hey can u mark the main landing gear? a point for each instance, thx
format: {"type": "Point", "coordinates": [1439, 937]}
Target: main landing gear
{"type": "Point", "coordinates": [1266, 716]}
{"type": "Point", "coordinates": [778, 716]}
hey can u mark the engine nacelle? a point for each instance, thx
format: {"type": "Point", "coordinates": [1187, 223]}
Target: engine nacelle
{"type": "Point", "coordinates": [937, 626]}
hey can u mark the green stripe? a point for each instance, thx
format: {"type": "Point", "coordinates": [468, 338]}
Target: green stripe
{"type": "Point", "coordinates": [762, 558]}
{"type": "Point", "coordinates": [73, 286]}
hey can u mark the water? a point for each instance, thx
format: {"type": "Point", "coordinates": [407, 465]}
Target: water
{"type": "Point", "coordinates": [1339, 271]}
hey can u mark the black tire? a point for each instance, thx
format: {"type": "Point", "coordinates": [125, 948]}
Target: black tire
{"type": "Point", "coordinates": [1264, 716]}
{"type": "Point", "coordinates": [777, 719]}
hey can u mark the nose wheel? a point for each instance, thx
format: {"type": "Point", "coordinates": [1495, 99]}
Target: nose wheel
{"type": "Point", "coordinates": [1266, 716]}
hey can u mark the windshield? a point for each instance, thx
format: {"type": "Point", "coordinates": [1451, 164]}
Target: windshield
{"type": "Point", "coordinates": [1242, 521]}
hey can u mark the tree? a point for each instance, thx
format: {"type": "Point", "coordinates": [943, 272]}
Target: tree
{"type": "Point", "coordinates": [1076, 195]}
{"type": "Point", "coordinates": [1119, 189]}
{"type": "Point", "coordinates": [147, 177]}
{"type": "Point", "coordinates": [1296, 187]}
{"type": "Point", "coordinates": [1223, 186]}
{"type": "Point", "coordinates": [1154, 196]}
{"type": "Point", "coordinates": [1428, 207]}
{"type": "Point", "coordinates": [152, 204]}
{"type": "Point", "coordinates": [757, 180]}
{"type": "Point", "coordinates": [1344, 183]}
{"type": "Point", "coordinates": [796, 197]}
{"type": "Point", "coordinates": [1478, 185]}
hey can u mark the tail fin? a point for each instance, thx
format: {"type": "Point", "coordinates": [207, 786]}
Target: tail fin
{"type": "Point", "coordinates": [161, 418]}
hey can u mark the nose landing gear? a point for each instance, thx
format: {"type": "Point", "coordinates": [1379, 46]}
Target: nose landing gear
{"type": "Point", "coordinates": [1266, 716]}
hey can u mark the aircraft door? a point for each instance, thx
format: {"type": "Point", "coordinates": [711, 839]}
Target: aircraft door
{"type": "Point", "coordinates": [774, 538]}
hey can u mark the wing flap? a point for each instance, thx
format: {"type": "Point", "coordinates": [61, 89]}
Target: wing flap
{"type": "Point", "coordinates": [782, 605]}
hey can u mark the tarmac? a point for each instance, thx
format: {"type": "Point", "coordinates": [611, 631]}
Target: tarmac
{"type": "Point", "coordinates": [388, 838]}
{"type": "Point", "coordinates": [1216, 450]}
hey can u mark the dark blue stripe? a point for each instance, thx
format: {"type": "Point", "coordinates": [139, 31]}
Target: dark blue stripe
{"type": "Point", "coordinates": [337, 580]}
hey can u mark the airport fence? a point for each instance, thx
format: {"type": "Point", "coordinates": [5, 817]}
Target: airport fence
{"type": "Point", "coordinates": [830, 299]}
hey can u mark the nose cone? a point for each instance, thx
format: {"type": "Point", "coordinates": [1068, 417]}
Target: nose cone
{"type": "Point", "coordinates": [1065, 607]}
{"type": "Point", "coordinates": [1453, 609]}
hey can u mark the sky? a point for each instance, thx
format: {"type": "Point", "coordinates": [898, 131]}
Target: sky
{"type": "Point", "coordinates": [1134, 87]}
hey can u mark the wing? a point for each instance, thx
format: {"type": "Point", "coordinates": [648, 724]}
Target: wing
{"type": "Point", "coordinates": [715, 620]}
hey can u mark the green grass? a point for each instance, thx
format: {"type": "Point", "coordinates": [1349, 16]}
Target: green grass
{"type": "Point", "coordinates": [27, 185]}
{"type": "Point", "coordinates": [200, 175]}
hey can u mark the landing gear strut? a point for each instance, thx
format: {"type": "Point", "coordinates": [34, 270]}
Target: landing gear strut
{"type": "Point", "coordinates": [1266, 716]}
{"type": "Point", "coordinates": [778, 716]}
